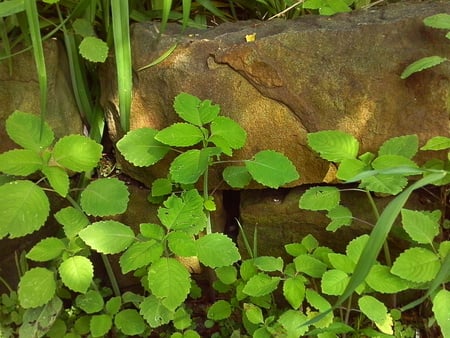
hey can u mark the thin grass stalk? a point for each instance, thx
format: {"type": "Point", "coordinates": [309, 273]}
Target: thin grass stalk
{"type": "Point", "coordinates": [167, 6]}
{"type": "Point", "coordinates": [38, 52]}
{"type": "Point", "coordinates": [4, 42]}
{"type": "Point", "coordinates": [122, 48]}
{"type": "Point", "coordinates": [186, 12]}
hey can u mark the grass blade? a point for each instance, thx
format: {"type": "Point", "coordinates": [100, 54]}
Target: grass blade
{"type": "Point", "coordinates": [38, 52]}
{"type": "Point", "coordinates": [122, 48]}
{"type": "Point", "coordinates": [11, 7]}
{"type": "Point", "coordinates": [167, 6]}
{"type": "Point", "coordinates": [186, 12]}
{"type": "Point", "coordinates": [160, 58]}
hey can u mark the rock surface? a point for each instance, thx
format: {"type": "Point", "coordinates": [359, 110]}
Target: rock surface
{"type": "Point", "coordinates": [19, 90]}
{"type": "Point", "coordinates": [314, 73]}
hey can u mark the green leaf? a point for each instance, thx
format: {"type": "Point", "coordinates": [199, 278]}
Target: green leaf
{"type": "Point", "coordinates": [161, 187]}
{"type": "Point", "coordinates": [342, 262]}
{"type": "Point", "coordinates": [93, 49]}
{"type": "Point", "coordinates": [386, 184]}
{"type": "Point", "coordinates": [187, 168]}
{"type": "Point", "coordinates": [226, 274]}
{"type": "Point", "coordinates": [349, 168]}
{"type": "Point", "coordinates": [191, 109]}
{"type": "Point", "coordinates": [90, 302]}
{"type": "Point", "coordinates": [437, 143]}
{"type": "Point", "coordinates": [72, 220]}
{"type": "Point", "coordinates": [320, 198]}
{"type": "Point", "coordinates": [253, 313]}
{"type": "Point", "coordinates": [292, 322]}
{"type": "Point", "coordinates": [219, 310]}
{"type": "Point", "coordinates": [294, 291]}
{"type": "Point", "coordinates": [441, 311]}
{"type": "Point", "coordinates": [320, 303]}
{"type": "Point", "coordinates": [181, 244]}
{"type": "Point", "coordinates": [152, 231]}
{"type": "Point", "coordinates": [40, 321]}
{"type": "Point", "coordinates": [36, 287]}
{"type": "Point", "coordinates": [184, 212]}
{"type": "Point", "coordinates": [130, 322]}
{"type": "Point", "coordinates": [105, 197]}
{"type": "Point", "coordinates": [83, 27]}
{"type": "Point", "coordinates": [377, 312]}
{"type": "Point", "coordinates": [77, 273]}
{"type": "Point", "coordinates": [140, 254]}
{"type": "Point", "coordinates": [24, 208]}
{"type": "Point", "coordinates": [271, 169]}
{"type": "Point", "coordinates": [406, 146]}
{"type": "Point", "coordinates": [20, 162]}
{"type": "Point", "coordinates": [440, 21]}
{"type": "Point", "coordinates": [392, 161]}
{"type": "Point", "coordinates": [109, 237]}
{"type": "Point", "coordinates": [169, 280]}
{"type": "Point", "coordinates": [420, 226]}
{"type": "Point", "coordinates": [309, 265]}
{"type": "Point", "coordinates": [216, 250]}
{"type": "Point", "coordinates": [25, 130]}
{"type": "Point", "coordinates": [417, 265]}
{"type": "Point", "coordinates": [260, 285]}
{"type": "Point", "coordinates": [180, 135]}
{"type": "Point", "coordinates": [421, 64]}
{"type": "Point", "coordinates": [182, 320]}
{"type": "Point", "coordinates": [58, 179]}
{"type": "Point", "coordinates": [113, 305]}
{"type": "Point", "coordinates": [226, 133]}
{"type": "Point", "coordinates": [154, 312]}
{"type": "Point", "coordinates": [334, 282]}
{"type": "Point", "coordinates": [356, 247]}
{"type": "Point", "coordinates": [78, 153]}
{"type": "Point", "coordinates": [340, 216]}
{"type": "Point", "coordinates": [310, 243]}
{"type": "Point", "coordinates": [269, 263]}
{"type": "Point", "coordinates": [100, 325]}
{"type": "Point", "coordinates": [236, 176]}
{"type": "Point", "coordinates": [334, 145]}
{"type": "Point", "coordinates": [47, 249]}
{"type": "Point", "coordinates": [140, 147]}
{"type": "Point", "coordinates": [382, 280]}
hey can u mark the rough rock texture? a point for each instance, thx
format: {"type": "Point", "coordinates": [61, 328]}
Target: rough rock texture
{"type": "Point", "coordinates": [19, 90]}
{"type": "Point", "coordinates": [301, 76]}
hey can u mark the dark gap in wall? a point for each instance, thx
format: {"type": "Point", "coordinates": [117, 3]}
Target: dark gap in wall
{"type": "Point", "coordinates": [231, 205]}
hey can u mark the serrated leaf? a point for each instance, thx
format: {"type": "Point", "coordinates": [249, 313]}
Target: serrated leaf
{"type": "Point", "coordinates": [392, 161]}
{"type": "Point", "coordinates": [349, 168]}
{"type": "Point", "coordinates": [169, 280]}
{"type": "Point", "coordinates": [90, 302]}
{"type": "Point", "coordinates": [93, 49]}
{"type": "Point", "coordinates": [20, 162]}
{"type": "Point", "coordinates": [440, 21]}
{"type": "Point", "coordinates": [39, 321]}
{"type": "Point", "coordinates": [292, 322]}
{"type": "Point", "coordinates": [227, 131]}
{"type": "Point", "coordinates": [78, 153]}
{"type": "Point", "coordinates": [181, 244]}
{"type": "Point", "coordinates": [383, 183]}
{"type": "Point", "coordinates": [294, 291]}
{"type": "Point", "coordinates": [382, 280]}
{"type": "Point", "coordinates": [421, 64]}
{"type": "Point", "coordinates": [113, 305]}
{"type": "Point", "coordinates": [334, 145]}
{"type": "Point", "coordinates": [24, 208]}
{"type": "Point", "coordinates": [216, 250]}
{"type": "Point", "coordinates": [320, 198]}
{"type": "Point", "coordinates": [140, 148]}
{"type": "Point", "coordinates": [58, 180]}
{"type": "Point", "coordinates": [191, 109]}
{"type": "Point", "coordinates": [152, 231]}
{"type": "Point", "coordinates": [72, 220]}
{"type": "Point", "coordinates": [437, 143]}
{"type": "Point", "coordinates": [77, 273]}
{"type": "Point", "coordinates": [83, 27]}
{"type": "Point", "coordinates": [421, 227]}
{"type": "Point", "coordinates": [271, 169]}
{"type": "Point", "coordinates": [341, 262]}
{"type": "Point", "coordinates": [187, 168]}
{"type": "Point", "coordinates": [355, 247]}
{"type": "Point", "coordinates": [161, 187]}
{"type": "Point", "coordinates": [154, 312]}
{"type": "Point", "coordinates": [406, 146]}
{"type": "Point", "coordinates": [441, 311]}
{"type": "Point", "coordinates": [269, 263]}
{"type": "Point", "coordinates": [309, 265]}
{"type": "Point", "coordinates": [219, 310]}
{"type": "Point", "coordinates": [340, 216]}
{"type": "Point", "coordinates": [236, 176]}
{"type": "Point", "coordinates": [100, 325]}
{"type": "Point", "coordinates": [260, 285]}
{"type": "Point", "coordinates": [377, 312]}
{"type": "Point", "coordinates": [130, 322]}
{"type": "Point", "coordinates": [180, 135]}
{"type": "Point", "coordinates": [25, 130]}
{"type": "Point", "coordinates": [226, 274]}
{"type": "Point", "coordinates": [334, 282]}
{"type": "Point", "coordinates": [417, 265]}
{"type": "Point", "coordinates": [47, 249]}
{"type": "Point", "coordinates": [36, 279]}
{"type": "Point", "coordinates": [105, 197]}
{"type": "Point", "coordinates": [109, 237]}
{"type": "Point", "coordinates": [140, 254]}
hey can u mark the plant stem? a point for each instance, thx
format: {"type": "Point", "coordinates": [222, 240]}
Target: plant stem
{"type": "Point", "coordinates": [111, 276]}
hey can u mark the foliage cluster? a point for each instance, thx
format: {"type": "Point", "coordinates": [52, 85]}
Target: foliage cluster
{"type": "Point", "coordinates": [315, 284]}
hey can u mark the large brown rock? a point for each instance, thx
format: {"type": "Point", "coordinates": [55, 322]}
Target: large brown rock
{"type": "Point", "coordinates": [314, 73]}
{"type": "Point", "coordinates": [19, 90]}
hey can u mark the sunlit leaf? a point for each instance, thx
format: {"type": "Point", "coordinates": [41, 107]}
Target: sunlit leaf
{"type": "Point", "coordinates": [421, 64]}
{"type": "Point", "coordinates": [334, 145]}
{"type": "Point", "coordinates": [36, 279]}
{"type": "Point", "coordinates": [77, 273]}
